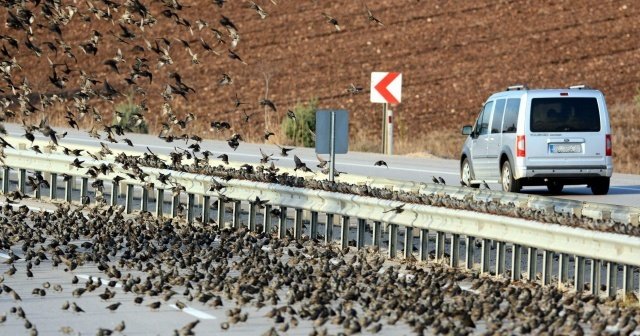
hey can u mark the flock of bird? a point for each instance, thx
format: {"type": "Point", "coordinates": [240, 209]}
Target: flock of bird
{"type": "Point", "coordinates": [157, 262]}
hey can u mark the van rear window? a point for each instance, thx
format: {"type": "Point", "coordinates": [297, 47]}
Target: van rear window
{"type": "Point", "coordinates": [565, 115]}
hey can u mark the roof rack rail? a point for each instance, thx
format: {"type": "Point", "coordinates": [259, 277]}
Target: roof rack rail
{"type": "Point", "coordinates": [580, 87]}
{"type": "Point", "coordinates": [517, 87]}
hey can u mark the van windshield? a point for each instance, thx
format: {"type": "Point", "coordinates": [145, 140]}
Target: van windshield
{"type": "Point", "coordinates": [565, 115]}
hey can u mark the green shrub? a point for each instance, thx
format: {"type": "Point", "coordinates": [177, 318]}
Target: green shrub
{"type": "Point", "coordinates": [301, 131]}
{"type": "Point", "coordinates": [129, 111]}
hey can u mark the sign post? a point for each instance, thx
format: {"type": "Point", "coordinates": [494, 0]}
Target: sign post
{"type": "Point", "coordinates": [332, 135]}
{"type": "Point", "coordinates": [386, 88]}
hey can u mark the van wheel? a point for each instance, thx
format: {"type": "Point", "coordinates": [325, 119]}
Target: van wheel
{"type": "Point", "coordinates": [466, 175]}
{"type": "Point", "coordinates": [555, 187]}
{"type": "Point", "coordinates": [508, 182]}
{"type": "Point", "coordinates": [600, 186]}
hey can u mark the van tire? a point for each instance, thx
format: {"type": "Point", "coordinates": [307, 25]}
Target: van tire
{"type": "Point", "coordinates": [466, 174]}
{"type": "Point", "coordinates": [555, 187]}
{"type": "Point", "coordinates": [600, 186]}
{"type": "Point", "coordinates": [506, 178]}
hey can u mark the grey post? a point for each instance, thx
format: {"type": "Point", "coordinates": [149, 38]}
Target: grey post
{"type": "Point", "coordinates": [220, 219]}
{"type": "Point", "coordinates": [393, 239]}
{"type": "Point", "coordinates": [454, 258]}
{"type": "Point", "coordinates": [627, 280]}
{"type": "Point", "coordinates": [159, 202]}
{"type": "Point", "coordinates": [500, 258]}
{"type": "Point", "coordinates": [532, 263]}
{"type": "Point", "coordinates": [175, 202]}
{"type": "Point", "coordinates": [563, 268]}
{"type": "Point", "coordinates": [612, 279]}
{"type": "Point", "coordinates": [191, 202]}
{"type": "Point", "coordinates": [408, 242]}
{"type": "Point", "coordinates": [516, 262]}
{"type": "Point", "coordinates": [547, 266]}
{"type": "Point", "coordinates": [6, 175]}
{"type": "Point", "coordinates": [332, 146]}
{"type": "Point", "coordinates": [144, 200]}
{"type": "Point", "coordinates": [53, 192]}
{"type": "Point", "coordinates": [282, 222]}
{"type": "Point", "coordinates": [266, 219]}
{"type": "Point", "coordinates": [423, 249]}
{"type": "Point", "coordinates": [469, 245]}
{"type": "Point", "coordinates": [22, 180]}
{"type": "Point", "coordinates": [328, 229]}
{"type": "Point", "coordinates": [297, 224]}
{"type": "Point", "coordinates": [128, 206]}
{"type": "Point", "coordinates": [237, 209]}
{"type": "Point", "coordinates": [252, 217]}
{"type": "Point", "coordinates": [595, 276]}
{"type": "Point", "coordinates": [362, 223]}
{"type": "Point", "coordinates": [68, 189]}
{"type": "Point", "coordinates": [485, 260]}
{"type": "Point", "coordinates": [38, 192]}
{"type": "Point", "coordinates": [579, 273]}
{"type": "Point", "coordinates": [313, 230]}
{"type": "Point", "coordinates": [439, 245]}
{"type": "Point", "coordinates": [377, 226]}
{"type": "Point", "coordinates": [206, 209]}
{"type": "Point", "coordinates": [344, 232]}
{"type": "Point", "coordinates": [114, 193]}
{"type": "Point", "coordinates": [84, 187]}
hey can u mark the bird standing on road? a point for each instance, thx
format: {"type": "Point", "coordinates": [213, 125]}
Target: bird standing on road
{"type": "Point", "coordinates": [380, 163]}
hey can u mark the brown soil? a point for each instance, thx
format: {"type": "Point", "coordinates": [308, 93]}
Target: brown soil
{"type": "Point", "coordinates": [452, 54]}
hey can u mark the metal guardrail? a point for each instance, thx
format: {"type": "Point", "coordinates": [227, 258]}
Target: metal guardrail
{"type": "Point", "coordinates": [449, 227]}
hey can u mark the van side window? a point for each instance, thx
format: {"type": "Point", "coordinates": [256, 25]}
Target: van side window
{"type": "Point", "coordinates": [496, 122]}
{"type": "Point", "coordinates": [511, 116]}
{"type": "Point", "coordinates": [482, 125]}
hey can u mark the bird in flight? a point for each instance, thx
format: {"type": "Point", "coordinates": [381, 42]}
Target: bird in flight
{"type": "Point", "coordinates": [398, 209]}
{"type": "Point", "coordinates": [330, 19]}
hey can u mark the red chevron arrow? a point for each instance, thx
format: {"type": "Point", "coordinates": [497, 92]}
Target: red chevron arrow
{"type": "Point", "coordinates": [381, 87]}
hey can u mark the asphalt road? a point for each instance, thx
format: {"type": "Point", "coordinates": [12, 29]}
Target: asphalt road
{"type": "Point", "coordinates": [625, 188]}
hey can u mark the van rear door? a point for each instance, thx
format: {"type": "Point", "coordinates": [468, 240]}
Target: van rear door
{"type": "Point", "coordinates": [566, 132]}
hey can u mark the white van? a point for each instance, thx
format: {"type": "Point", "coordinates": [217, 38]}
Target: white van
{"type": "Point", "coordinates": [552, 137]}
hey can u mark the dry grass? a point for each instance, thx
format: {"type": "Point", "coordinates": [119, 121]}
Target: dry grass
{"type": "Point", "coordinates": [625, 124]}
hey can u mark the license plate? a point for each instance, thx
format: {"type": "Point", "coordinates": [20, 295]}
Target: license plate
{"type": "Point", "coordinates": [565, 148]}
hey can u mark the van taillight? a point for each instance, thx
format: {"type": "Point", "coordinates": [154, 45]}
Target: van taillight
{"type": "Point", "coordinates": [609, 147]}
{"type": "Point", "coordinates": [520, 150]}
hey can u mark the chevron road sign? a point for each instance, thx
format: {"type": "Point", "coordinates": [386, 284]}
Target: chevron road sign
{"type": "Point", "coordinates": [386, 87]}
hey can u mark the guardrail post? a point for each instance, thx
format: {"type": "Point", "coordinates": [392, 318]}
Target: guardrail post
{"type": "Point", "coordinates": [84, 187]}
{"type": "Point", "coordinates": [144, 199]}
{"type": "Point", "coordinates": [38, 190]}
{"type": "Point", "coordinates": [221, 213]}
{"type": "Point", "coordinates": [114, 193]}
{"type": "Point", "coordinates": [439, 245]}
{"type": "Point", "coordinates": [328, 229]}
{"type": "Point", "coordinates": [266, 220]}
{"type": "Point", "coordinates": [612, 279]}
{"type": "Point", "coordinates": [469, 245]}
{"type": "Point", "coordinates": [595, 277]}
{"type": "Point", "coordinates": [454, 258]}
{"type": "Point", "coordinates": [159, 202]}
{"type": "Point", "coordinates": [191, 202]}
{"type": "Point", "coordinates": [22, 180]}
{"type": "Point", "coordinates": [237, 209]}
{"type": "Point", "coordinates": [500, 258]}
{"type": "Point", "coordinates": [393, 239]}
{"type": "Point", "coordinates": [423, 249]}
{"type": "Point", "coordinates": [6, 176]}
{"type": "Point", "coordinates": [282, 222]}
{"type": "Point", "coordinates": [206, 209]}
{"type": "Point", "coordinates": [408, 242]}
{"type": "Point", "coordinates": [252, 217]}
{"type": "Point", "coordinates": [484, 256]}
{"type": "Point", "coordinates": [377, 226]}
{"type": "Point", "coordinates": [579, 273]}
{"type": "Point", "coordinates": [516, 262]}
{"type": "Point", "coordinates": [313, 234]}
{"type": "Point", "coordinates": [175, 203]}
{"type": "Point", "coordinates": [68, 188]}
{"type": "Point", "coordinates": [547, 266]}
{"type": "Point", "coordinates": [53, 192]}
{"type": "Point", "coordinates": [627, 280]}
{"type": "Point", "coordinates": [362, 224]}
{"type": "Point", "coordinates": [532, 263]}
{"type": "Point", "coordinates": [129, 199]}
{"type": "Point", "coordinates": [344, 232]}
{"type": "Point", "coordinates": [297, 224]}
{"type": "Point", "coordinates": [563, 268]}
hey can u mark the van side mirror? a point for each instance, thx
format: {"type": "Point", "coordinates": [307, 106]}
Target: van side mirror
{"type": "Point", "coordinates": [466, 130]}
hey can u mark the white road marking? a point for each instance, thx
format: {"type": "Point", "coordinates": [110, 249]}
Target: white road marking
{"type": "Point", "coordinates": [194, 312]}
{"type": "Point", "coordinates": [104, 282]}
